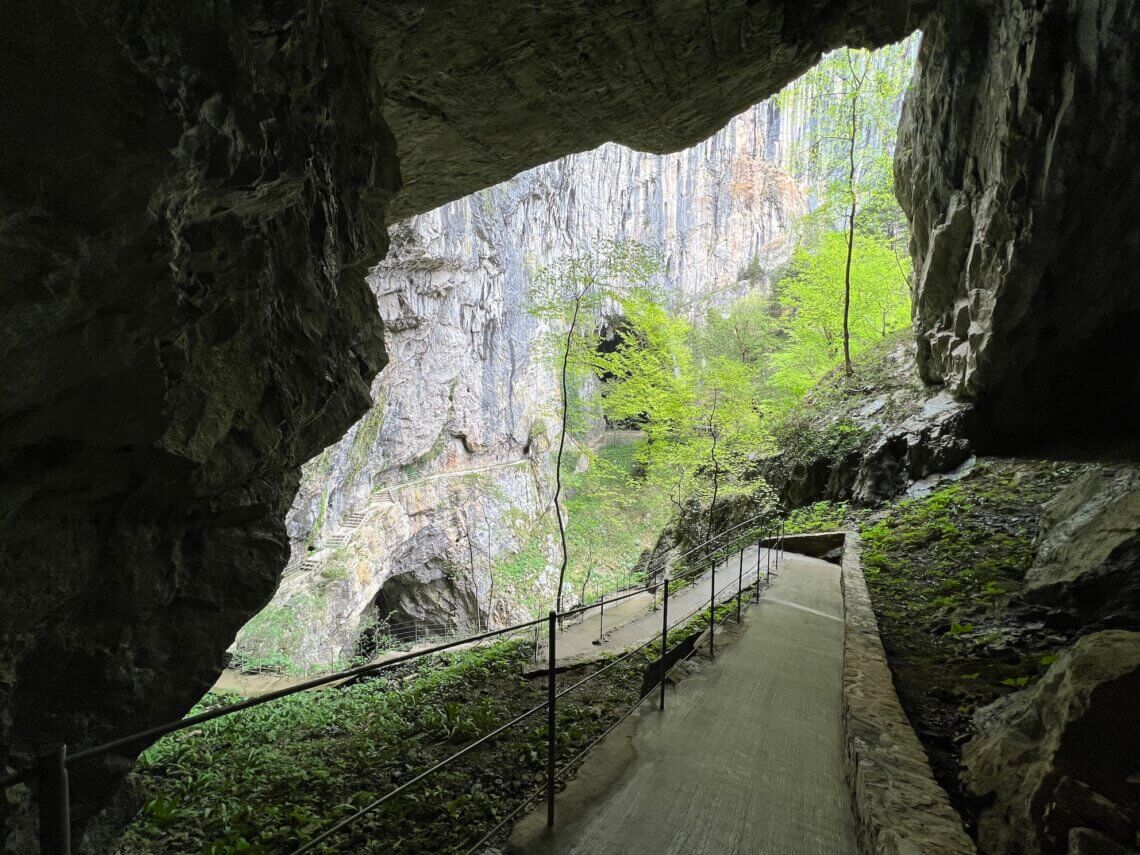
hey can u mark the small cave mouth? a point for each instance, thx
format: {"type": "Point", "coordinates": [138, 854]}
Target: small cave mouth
{"type": "Point", "coordinates": [411, 608]}
{"type": "Point", "coordinates": [613, 332]}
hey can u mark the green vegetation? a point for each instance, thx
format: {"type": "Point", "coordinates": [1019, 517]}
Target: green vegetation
{"type": "Point", "coordinates": [940, 572]}
{"type": "Point", "coordinates": [269, 778]}
{"type": "Point", "coordinates": [849, 281]}
{"type": "Point", "coordinates": [817, 327]}
{"type": "Point", "coordinates": [715, 395]}
{"type": "Point", "coordinates": [697, 393]}
{"type": "Point", "coordinates": [364, 441]}
{"type": "Point", "coordinates": [822, 516]}
{"type": "Point", "coordinates": [612, 515]}
{"type": "Point", "coordinates": [571, 294]}
{"type": "Point", "coordinates": [265, 642]}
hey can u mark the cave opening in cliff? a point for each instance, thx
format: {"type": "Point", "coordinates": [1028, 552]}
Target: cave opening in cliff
{"type": "Point", "coordinates": [417, 607]}
{"type": "Point", "coordinates": [228, 234]}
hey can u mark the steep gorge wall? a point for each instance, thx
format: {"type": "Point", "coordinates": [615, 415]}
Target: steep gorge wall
{"type": "Point", "coordinates": [459, 431]}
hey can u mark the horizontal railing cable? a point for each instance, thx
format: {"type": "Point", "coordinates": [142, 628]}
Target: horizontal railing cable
{"type": "Point", "coordinates": [712, 559]}
{"type": "Point", "coordinates": [344, 823]}
{"type": "Point", "coordinates": [594, 742]}
{"type": "Point", "coordinates": [359, 671]}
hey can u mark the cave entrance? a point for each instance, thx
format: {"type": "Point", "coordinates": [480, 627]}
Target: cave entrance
{"type": "Point", "coordinates": [414, 607]}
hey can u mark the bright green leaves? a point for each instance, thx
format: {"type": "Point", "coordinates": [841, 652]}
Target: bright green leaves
{"type": "Point", "coordinates": [811, 300]}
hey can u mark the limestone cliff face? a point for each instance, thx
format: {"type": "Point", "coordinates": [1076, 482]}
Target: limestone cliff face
{"type": "Point", "coordinates": [414, 499]}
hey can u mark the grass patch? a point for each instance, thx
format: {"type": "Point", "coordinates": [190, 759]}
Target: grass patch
{"type": "Point", "coordinates": [266, 779]}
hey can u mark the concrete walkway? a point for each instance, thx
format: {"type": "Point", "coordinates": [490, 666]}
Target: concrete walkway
{"type": "Point", "coordinates": [638, 618]}
{"type": "Point", "coordinates": [746, 758]}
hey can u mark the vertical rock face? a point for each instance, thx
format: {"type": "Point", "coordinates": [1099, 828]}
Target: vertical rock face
{"type": "Point", "coordinates": [188, 211]}
{"type": "Point", "coordinates": [457, 439]}
{"type": "Point", "coordinates": [1059, 755]}
{"type": "Point", "coordinates": [1016, 164]}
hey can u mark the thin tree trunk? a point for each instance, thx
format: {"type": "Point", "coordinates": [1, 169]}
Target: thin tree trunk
{"type": "Point", "coordinates": [558, 461]}
{"type": "Point", "coordinates": [716, 470]}
{"type": "Point", "coordinates": [850, 239]}
{"type": "Point", "coordinates": [490, 565]}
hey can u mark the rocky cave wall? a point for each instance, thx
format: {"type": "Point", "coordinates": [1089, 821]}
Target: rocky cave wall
{"type": "Point", "coordinates": [1016, 164]}
{"type": "Point", "coordinates": [191, 195]}
{"type": "Point", "coordinates": [190, 202]}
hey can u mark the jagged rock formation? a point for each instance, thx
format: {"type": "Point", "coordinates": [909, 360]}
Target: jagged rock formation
{"type": "Point", "coordinates": [1015, 165]}
{"type": "Point", "coordinates": [1059, 756]}
{"type": "Point", "coordinates": [1087, 556]}
{"type": "Point", "coordinates": [468, 391]}
{"type": "Point", "coordinates": [189, 206]}
{"type": "Point", "coordinates": [873, 438]}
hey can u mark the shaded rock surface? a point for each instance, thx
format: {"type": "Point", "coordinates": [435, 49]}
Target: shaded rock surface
{"type": "Point", "coordinates": [898, 805]}
{"type": "Point", "coordinates": [191, 198]}
{"type": "Point", "coordinates": [1015, 166]}
{"type": "Point", "coordinates": [1087, 555]}
{"type": "Point", "coordinates": [1058, 755]}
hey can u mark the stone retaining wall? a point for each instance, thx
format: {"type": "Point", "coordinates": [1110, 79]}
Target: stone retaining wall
{"type": "Point", "coordinates": [815, 545]}
{"type": "Point", "coordinates": [899, 808]}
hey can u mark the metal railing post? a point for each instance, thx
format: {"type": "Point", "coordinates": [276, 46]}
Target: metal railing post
{"type": "Point", "coordinates": [739, 584]}
{"type": "Point", "coordinates": [712, 611]}
{"type": "Point", "coordinates": [551, 738]}
{"type": "Point", "coordinates": [54, 801]}
{"type": "Point", "coordinates": [757, 592]}
{"type": "Point", "coordinates": [602, 618]}
{"type": "Point", "coordinates": [768, 556]}
{"type": "Point", "coordinates": [664, 639]}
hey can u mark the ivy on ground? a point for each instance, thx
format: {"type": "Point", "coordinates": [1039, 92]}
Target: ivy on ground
{"type": "Point", "coordinates": [268, 778]}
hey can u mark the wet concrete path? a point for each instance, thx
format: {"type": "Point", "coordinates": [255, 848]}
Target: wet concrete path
{"type": "Point", "coordinates": [638, 618]}
{"type": "Point", "coordinates": [746, 758]}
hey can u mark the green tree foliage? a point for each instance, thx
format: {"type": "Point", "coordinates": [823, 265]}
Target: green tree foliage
{"type": "Point", "coordinates": [855, 95]}
{"type": "Point", "coordinates": [570, 295]}
{"type": "Point", "coordinates": [813, 323]}
{"type": "Point", "coordinates": [697, 394]}
{"type": "Point", "coordinates": [708, 396]}
{"type": "Point", "coordinates": [851, 88]}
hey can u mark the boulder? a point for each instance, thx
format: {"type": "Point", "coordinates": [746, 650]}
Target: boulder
{"type": "Point", "coordinates": [1057, 755]}
{"type": "Point", "coordinates": [1086, 841]}
{"type": "Point", "coordinates": [1087, 554]}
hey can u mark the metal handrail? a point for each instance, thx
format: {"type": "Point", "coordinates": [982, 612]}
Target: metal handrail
{"type": "Point", "coordinates": [569, 764]}
{"type": "Point", "coordinates": [54, 763]}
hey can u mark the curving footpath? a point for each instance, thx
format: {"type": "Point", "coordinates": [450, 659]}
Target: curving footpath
{"type": "Point", "coordinates": [748, 756]}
